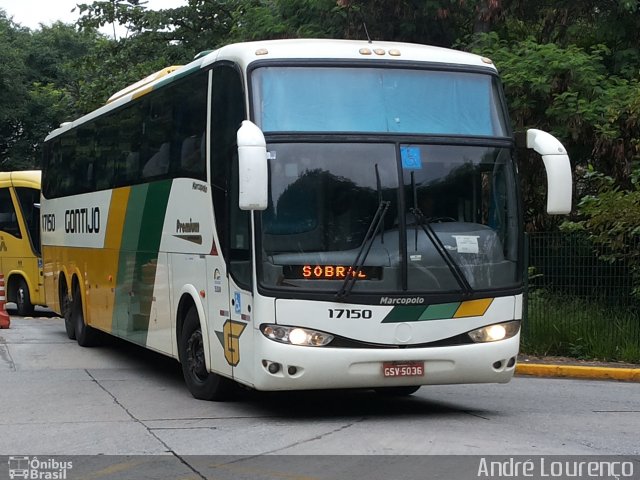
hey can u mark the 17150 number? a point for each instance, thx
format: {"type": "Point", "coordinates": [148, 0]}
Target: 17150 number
{"type": "Point", "coordinates": [351, 313]}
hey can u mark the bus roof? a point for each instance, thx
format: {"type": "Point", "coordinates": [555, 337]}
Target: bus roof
{"type": "Point", "coordinates": [315, 49]}
{"type": "Point", "coordinates": [26, 178]}
{"type": "Point", "coordinates": [246, 53]}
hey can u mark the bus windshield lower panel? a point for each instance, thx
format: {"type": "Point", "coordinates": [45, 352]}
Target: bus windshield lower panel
{"type": "Point", "coordinates": [450, 221]}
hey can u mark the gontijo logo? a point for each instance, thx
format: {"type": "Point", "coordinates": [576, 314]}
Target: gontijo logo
{"type": "Point", "coordinates": [82, 220]}
{"type": "Point", "coordinates": [33, 468]}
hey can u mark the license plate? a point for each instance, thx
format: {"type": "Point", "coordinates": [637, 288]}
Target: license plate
{"type": "Point", "coordinates": [403, 369]}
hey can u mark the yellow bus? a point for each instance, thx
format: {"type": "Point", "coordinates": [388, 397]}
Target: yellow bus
{"type": "Point", "coordinates": [20, 259]}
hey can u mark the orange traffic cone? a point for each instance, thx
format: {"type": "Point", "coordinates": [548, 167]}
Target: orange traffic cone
{"type": "Point", "coordinates": [5, 320]}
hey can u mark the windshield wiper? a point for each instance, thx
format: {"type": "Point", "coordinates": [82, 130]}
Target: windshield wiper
{"type": "Point", "coordinates": [424, 223]}
{"type": "Point", "coordinates": [354, 270]}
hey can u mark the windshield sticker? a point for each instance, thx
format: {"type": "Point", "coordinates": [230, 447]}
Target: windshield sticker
{"type": "Point", "coordinates": [411, 158]}
{"type": "Point", "coordinates": [467, 243]}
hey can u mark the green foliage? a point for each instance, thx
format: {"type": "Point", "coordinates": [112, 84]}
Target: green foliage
{"type": "Point", "coordinates": [39, 87]}
{"type": "Point", "coordinates": [565, 326]}
{"type": "Point", "coordinates": [569, 92]}
{"type": "Point", "coordinates": [12, 90]}
{"type": "Point", "coordinates": [610, 217]}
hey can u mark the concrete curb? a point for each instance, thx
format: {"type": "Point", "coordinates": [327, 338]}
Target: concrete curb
{"type": "Point", "coordinates": [575, 371]}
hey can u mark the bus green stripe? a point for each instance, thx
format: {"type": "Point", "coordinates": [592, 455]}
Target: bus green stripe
{"type": "Point", "coordinates": [128, 247]}
{"type": "Point", "coordinates": [133, 219]}
{"type": "Point", "coordinates": [414, 313]}
{"type": "Point", "coordinates": [440, 312]}
{"type": "Point", "coordinates": [404, 314]}
{"type": "Point", "coordinates": [137, 264]}
{"type": "Point", "coordinates": [155, 209]}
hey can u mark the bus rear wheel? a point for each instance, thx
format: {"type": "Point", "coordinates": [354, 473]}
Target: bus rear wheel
{"type": "Point", "coordinates": [65, 310]}
{"type": "Point", "coordinates": [86, 336]}
{"type": "Point", "coordinates": [202, 384]}
{"type": "Point", "coordinates": [23, 299]}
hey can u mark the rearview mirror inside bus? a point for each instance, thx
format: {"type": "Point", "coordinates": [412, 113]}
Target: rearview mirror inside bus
{"type": "Point", "coordinates": [558, 168]}
{"type": "Point", "coordinates": [253, 169]}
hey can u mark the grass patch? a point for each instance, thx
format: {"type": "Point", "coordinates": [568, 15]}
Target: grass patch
{"type": "Point", "coordinates": [575, 327]}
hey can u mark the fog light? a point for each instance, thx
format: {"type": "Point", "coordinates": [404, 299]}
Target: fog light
{"type": "Point", "coordinates": [274, 367]}
{"type": "Point", "coordinates": [493, 333]}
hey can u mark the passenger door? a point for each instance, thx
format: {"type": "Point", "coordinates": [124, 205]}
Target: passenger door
{"type": "Point", "coordinates": [232, 277]}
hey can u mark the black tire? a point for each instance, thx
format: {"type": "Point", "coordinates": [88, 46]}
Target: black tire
{"type": "Point", "coordinates": [65, 310]}
{"type": "Point", "coordinates": [86, 336]}
{"type": "Point", "coordinates": [23, 299]}
{"type": "Point", "coordinates": [202, 384]}
{"type": "Point", "coordinates": [68, 326]}
{"type": "Point", "coordinates": [397, 391]}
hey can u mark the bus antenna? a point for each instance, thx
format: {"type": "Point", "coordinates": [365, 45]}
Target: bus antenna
{"type": "Point", "coordinates": [364, 24]}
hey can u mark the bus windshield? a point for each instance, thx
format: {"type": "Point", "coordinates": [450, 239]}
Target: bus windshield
{"type": "Point", "coordinates": [381, 100]}
{"type": "Point", "coordinates": [324, 196]}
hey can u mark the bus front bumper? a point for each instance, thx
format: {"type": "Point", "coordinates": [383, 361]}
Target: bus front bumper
{"type": "Point", "coordinates": [288, 367]}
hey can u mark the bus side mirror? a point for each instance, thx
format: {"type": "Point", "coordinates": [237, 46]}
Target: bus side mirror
{"type": "Point", "coordinates": [253, 168]}
{"type": "Point", "coordinates": [558, 167]}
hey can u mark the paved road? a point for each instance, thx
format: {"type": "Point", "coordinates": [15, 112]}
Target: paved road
{"type": "Point", "coordinates": [60, 399]}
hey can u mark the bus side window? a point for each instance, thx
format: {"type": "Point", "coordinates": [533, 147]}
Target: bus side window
{"type": "Point", "coordinates": [227, 113]}
{"type": "Point", "coordinates": [155, 155]}
{"type": "Point", "coordinates": [190, 124]}
{"type": "Point", "coordinates": [127, 157]}
{"type": "Point", "coordinates": [85, 158]}
{"type": "Point", "coordinates": [8, 218]}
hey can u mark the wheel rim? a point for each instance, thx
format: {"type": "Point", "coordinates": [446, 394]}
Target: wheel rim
{"type": "Point", "coordinates": [195, 357]}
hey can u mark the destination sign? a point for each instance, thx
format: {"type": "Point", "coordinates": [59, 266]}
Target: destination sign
{"type": "Point", "coordinates": [330, 272]}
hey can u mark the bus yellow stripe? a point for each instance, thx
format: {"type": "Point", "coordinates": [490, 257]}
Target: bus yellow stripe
{"type": "Point", "coordinates": [103, 265]}
{"type": "Point", "coordinates": [473, 308]}
{"type": "Point", "coordinates": [117, 213]}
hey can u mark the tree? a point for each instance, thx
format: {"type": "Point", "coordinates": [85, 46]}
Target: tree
{"type": "Point", "coordinates": [13, 91]}
{"type": "Point", "coordinates": [52, 57]}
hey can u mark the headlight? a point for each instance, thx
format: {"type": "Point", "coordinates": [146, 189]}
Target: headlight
{"type": "Point", "coordinates": [495, 332]}
{"type": "Point", "coordinates": [296, 335]}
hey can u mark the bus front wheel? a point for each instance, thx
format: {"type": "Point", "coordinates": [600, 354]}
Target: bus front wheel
{"type": "Point", "coordinates": [202, 384]}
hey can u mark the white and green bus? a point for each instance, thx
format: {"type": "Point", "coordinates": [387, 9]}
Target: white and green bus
{"type": "Point", "coordinates": [299, 214]}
